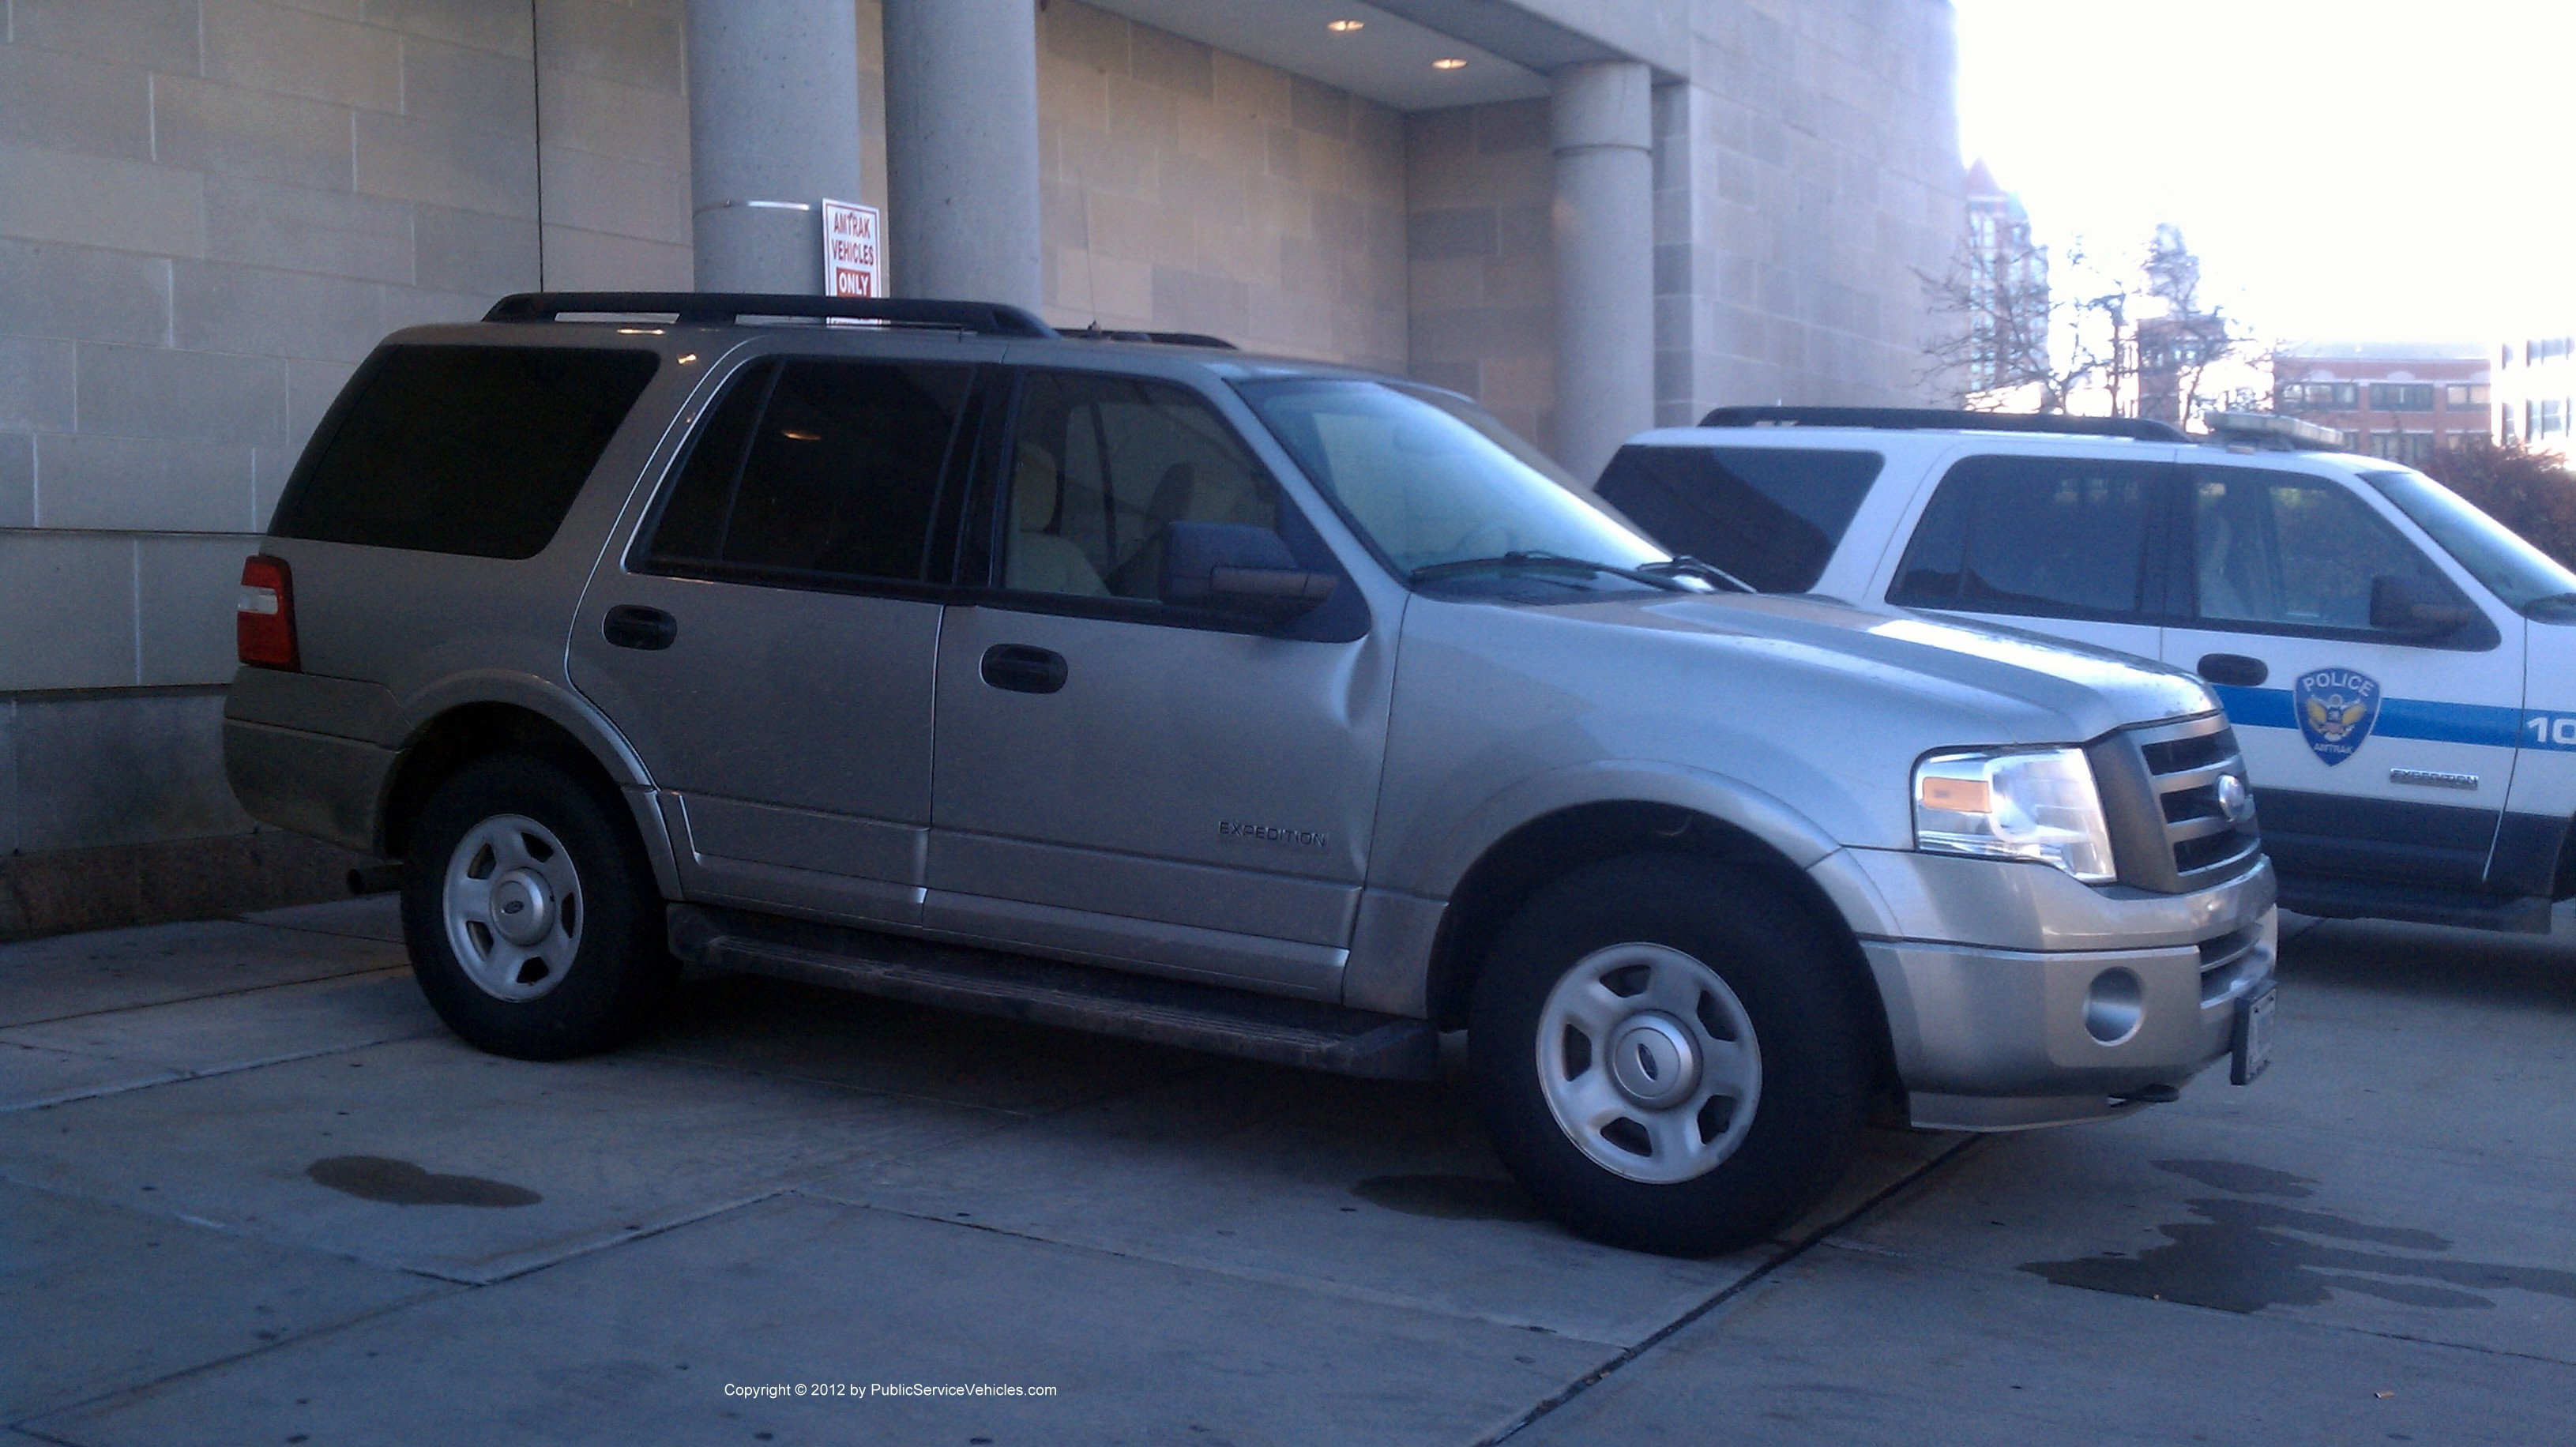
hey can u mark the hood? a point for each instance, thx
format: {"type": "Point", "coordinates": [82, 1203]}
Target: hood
{"type": "Point", "coordinates": [2091, 690]}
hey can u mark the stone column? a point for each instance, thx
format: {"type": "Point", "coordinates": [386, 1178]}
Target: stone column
{"type": "Point", "coordinates": [773, 129]}
{"type": "Point", "coordinates": [1601, 116]}
{"type": "Point", "coordinates": [962, 149]}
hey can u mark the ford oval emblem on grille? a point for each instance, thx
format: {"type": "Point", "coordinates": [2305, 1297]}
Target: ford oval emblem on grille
{"type": "Point", "coordinates": [2234, 799]}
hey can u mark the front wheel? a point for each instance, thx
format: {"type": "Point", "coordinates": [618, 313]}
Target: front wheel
{"type": "Point", "coordinates": [1667, 1054]}
{"type": "Point", "coordinates": [531, 913]}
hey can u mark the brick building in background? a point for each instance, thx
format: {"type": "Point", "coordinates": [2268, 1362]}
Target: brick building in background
{"type": "Point", "coordinates": [2398, 400]}
{"type": "Point", "coordinates": [211, 209]}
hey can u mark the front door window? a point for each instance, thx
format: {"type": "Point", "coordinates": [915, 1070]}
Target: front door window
{"type": "Point", "coordinates": [2273, 551]}
{"type": "Point", "coordinates": [1100, 467]}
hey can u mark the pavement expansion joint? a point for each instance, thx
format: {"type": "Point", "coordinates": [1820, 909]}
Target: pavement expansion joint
{"type": "Point", "coordinates": [214, 1364]}
{"type": "Point", "coordinates": [1733, 1289]}
{"type": "Point", "coordinates": [177, 1075]}
{"type": "Point", "coordinates": [1335, 1290]}
{"type": "Point", "coordinates": [209, 995]}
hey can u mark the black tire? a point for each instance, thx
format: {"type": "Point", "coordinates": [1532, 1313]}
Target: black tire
{"type": "Point", "coordinates": [1805, 1014]}
{"type": "Point", "coordinates": [619, 964]}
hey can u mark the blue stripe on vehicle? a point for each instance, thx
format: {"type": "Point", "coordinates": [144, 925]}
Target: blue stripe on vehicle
{"type": "Point", "coordinates": [2399, 718]}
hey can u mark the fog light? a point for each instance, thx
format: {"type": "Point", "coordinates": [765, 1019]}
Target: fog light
{"type": "Point", "coordinates": [2114, 1006]}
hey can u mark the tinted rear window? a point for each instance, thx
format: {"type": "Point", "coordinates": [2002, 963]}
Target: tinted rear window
{"type": "Point", "coordinates": [1770, 515]}
{"type": "Point", "coordinates": [474, 450]}
{"type": "Point", "coordinates": [814, 473]}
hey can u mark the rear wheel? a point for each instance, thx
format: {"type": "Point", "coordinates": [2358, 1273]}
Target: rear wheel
{"type": "Point", "coordinates": [531, 912]}
{"type": "Point", "coordinates": [1667, 1054]}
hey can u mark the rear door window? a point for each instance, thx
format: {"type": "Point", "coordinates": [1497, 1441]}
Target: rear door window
{"type": "Point", "coordinates": [1770, 515]}
{"type": "Point", "coordinates": [815, 473]}
{"type": "Point", "coordinates": [471, 450]}
{"type": "Point", "coordinates": [2039, 536]}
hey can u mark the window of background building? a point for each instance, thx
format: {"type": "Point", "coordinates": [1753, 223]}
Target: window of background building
{"type": "Point", "coordinates": [2464, 394]}
{"type": "Point", "coordinates": [2549, 418]}
{"type": "Point", "coordinates": [2401, 396]}
{"type": "Point", "coordinates": [2319, 396]}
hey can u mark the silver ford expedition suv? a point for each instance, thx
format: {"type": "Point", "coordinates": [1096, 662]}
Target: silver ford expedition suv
{"type": "Point", "coordinates": [1248, 705]}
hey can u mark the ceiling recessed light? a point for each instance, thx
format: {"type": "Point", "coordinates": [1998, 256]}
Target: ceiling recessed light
{"type": "Point", "coordinates": [1344, 27]}
{"type": "Point", "coordinates": [1449, 62]}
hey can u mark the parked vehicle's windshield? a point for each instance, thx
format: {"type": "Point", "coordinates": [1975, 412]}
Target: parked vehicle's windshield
{"type": "Point", "coordinates": [2511, 568]}
{"type": "Point", "coordinates": [1430, 479]}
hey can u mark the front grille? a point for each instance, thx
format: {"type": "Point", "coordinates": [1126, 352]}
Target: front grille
{"type": "Point", "coordinates": [2161, 788]}
{"type": "Point", "coordinates": [2186, 764]}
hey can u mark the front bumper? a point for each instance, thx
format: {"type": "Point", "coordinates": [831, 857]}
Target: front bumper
{"type": "Point", "coordinates": [1995, 1034]}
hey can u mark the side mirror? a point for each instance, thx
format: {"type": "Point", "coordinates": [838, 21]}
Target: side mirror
{"type": "Point", "coordinates": [1231, 568]}
{"type": "Point", "coordinates": [2398, 606]}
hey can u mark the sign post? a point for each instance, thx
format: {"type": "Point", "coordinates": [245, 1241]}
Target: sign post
{"type": "Point", "coordinates": [853, 250]}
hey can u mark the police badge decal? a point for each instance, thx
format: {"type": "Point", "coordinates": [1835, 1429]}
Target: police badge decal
{"type": "Point", "coordinates": [2336, 707]}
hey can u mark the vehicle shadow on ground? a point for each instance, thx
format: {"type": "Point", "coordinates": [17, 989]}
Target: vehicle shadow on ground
{"type": "Point", "coordinates": [2529, 971]}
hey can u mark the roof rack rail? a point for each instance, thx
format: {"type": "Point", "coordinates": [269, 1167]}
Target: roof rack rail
{"type": "Point", "coordinates": [723, 308]}
{"type": "Point", "coordinates": [1922, 419]}
{"type": "Point", "coordinates": [1098, 333]}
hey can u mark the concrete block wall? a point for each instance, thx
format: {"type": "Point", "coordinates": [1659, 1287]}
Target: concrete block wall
{"type": "Point", "coordinates": [1479, 185]}
{"type": "Point", "coordinates": [1185, 188]}
{"type": "Point", "coordinates": [1804, 174]}
{"type": "Point", "coordinates": [209, 211]}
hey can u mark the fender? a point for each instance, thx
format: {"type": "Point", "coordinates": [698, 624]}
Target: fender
{"type": "Point", "coordinates": [567, 710]}
{"type": "Point", "coordinates": [1399, 921]}
{"type": "Point", "coordinates": [1718, 796]}
{"type": "Point", "coordinates": [543, 697]}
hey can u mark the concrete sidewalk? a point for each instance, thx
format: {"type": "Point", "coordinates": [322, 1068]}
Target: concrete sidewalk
{"type": "Point", "coordinates": [250, 1190]}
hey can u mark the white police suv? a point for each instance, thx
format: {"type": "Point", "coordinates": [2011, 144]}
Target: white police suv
{"type": "Point", "coordinates": [2400, 668]}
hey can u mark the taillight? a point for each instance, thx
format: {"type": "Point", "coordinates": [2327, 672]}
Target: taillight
{"type": "Point", "coordinates": [264, 625]}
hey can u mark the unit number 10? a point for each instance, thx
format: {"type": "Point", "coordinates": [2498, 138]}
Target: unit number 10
{"type": "Point", "coordinates": [2549, 729]}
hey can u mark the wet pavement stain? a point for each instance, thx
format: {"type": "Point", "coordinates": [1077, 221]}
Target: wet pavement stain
{"type": "Point", "coordinates": [1450, 1198]}
{"type": "Point", "coordinates": [400, 1183]}
{"type": "Point", "coordinates": [2243, 1256]}
{"type": "Point", "coordinates": [2241, 1178]}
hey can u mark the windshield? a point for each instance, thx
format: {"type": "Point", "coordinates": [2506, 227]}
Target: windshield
{"type": "Point", "coordinates": [2494, 554]}
{"type": "Point", "coordinates": [1429, 478]}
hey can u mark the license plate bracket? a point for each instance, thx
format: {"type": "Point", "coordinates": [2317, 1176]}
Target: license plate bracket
{"type": "Point", "coordinates": [2252, 1053]}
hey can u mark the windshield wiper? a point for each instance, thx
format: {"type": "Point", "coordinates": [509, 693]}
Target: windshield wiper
{"type": "Point", "coordinates": [1685, 565]}
{"type": "Point", "coordinates": [1524, 558]}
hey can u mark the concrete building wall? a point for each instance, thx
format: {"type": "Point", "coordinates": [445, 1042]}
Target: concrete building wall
{"type": "Point", "coordinates": [209, 211]}
{"type": "Point", "coordinates": [1479, 185]}
{"type": "Point", "coordinates": [1186, 188]}
{"type": "Point", "coordinates": [1804, 174]}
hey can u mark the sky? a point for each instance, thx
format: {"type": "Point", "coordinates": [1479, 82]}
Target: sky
{"type": "Point", "coordinates": [2347, 170]}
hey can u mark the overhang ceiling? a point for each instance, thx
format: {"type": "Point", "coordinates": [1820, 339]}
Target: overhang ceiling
{"type": "Point", "coordinates": [1389, 58]}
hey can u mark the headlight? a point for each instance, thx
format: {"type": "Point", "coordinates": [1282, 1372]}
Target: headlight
{"type": "Point", "coordinates": [2014, 804]}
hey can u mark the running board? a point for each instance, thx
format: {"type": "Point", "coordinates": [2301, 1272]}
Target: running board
{"type": "Point", "coordinates": [1305, 1033]}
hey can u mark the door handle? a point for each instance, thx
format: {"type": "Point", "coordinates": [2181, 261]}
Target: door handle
{"type": "Point", "coordinates": [1023, 669]}
{"type": "Point", "coordinates": [629, 626]}
{"type": "Point", "coordinates": [2234, 669]}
